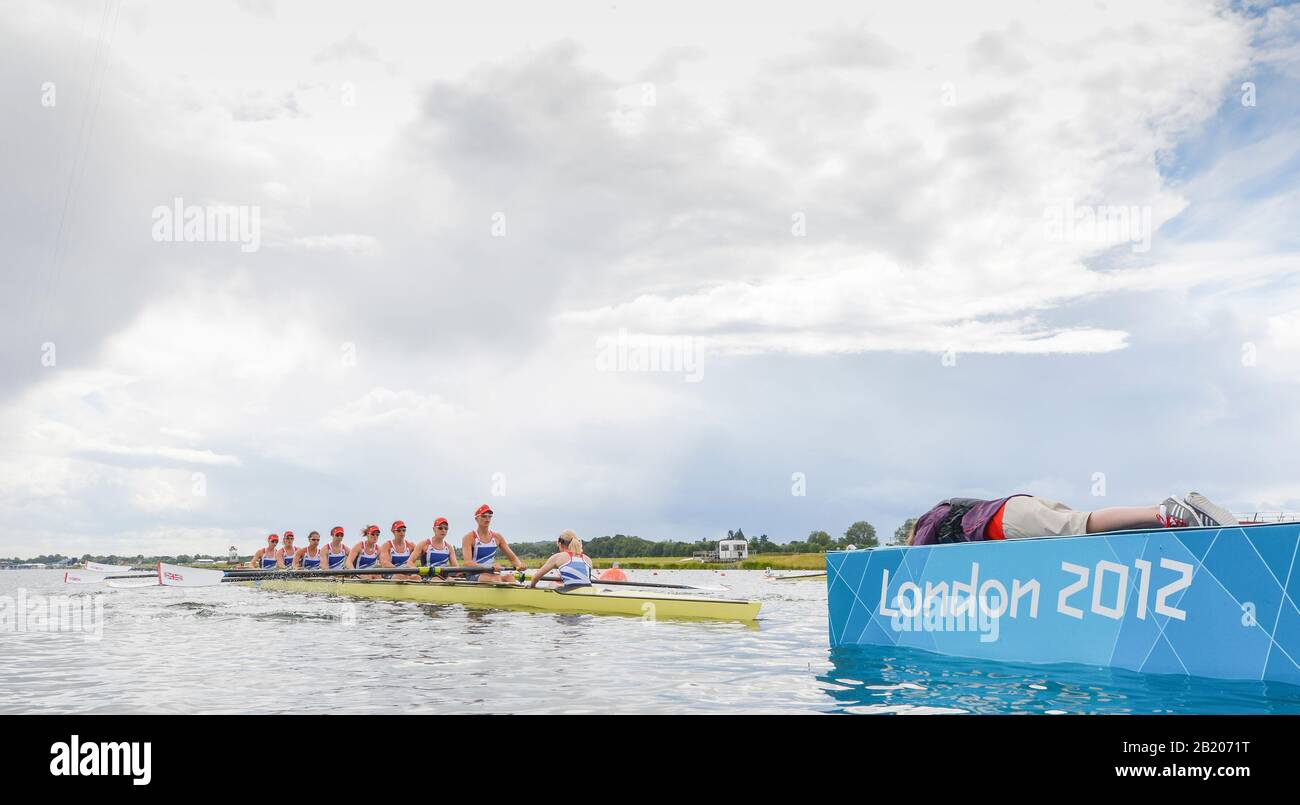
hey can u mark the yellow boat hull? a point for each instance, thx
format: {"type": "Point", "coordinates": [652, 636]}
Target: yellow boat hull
{"type": "Point", "coordinates": [595, 600]}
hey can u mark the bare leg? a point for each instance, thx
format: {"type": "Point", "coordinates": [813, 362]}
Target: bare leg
{"type": "Point", "coordinates": [1119, 518]}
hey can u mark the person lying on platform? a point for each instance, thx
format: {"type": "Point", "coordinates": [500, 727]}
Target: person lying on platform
{"type": "Point", "coordinates": [1020, 516]}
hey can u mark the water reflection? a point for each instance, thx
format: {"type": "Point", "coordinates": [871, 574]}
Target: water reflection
{"type": "Point", "coordinates": [484, 660]}
{"type": "Point", "coordinates": [894, 679]}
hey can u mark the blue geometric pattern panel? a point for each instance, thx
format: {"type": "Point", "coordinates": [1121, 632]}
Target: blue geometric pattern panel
{"type": "Point", "coordinates": [1213, 602]}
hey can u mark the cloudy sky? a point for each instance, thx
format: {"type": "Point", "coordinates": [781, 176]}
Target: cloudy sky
{"type": "Point", "coordinates": [881, 256]}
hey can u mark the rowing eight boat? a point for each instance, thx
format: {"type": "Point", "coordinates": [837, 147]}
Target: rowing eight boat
{"type": "Point", "coordinates": [593, 600]}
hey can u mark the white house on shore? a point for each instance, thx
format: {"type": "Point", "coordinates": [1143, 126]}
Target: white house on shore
{"type": "Point", "coordinates": [728, 550]}
{"type": "Point", "coordinates": [732, 550]}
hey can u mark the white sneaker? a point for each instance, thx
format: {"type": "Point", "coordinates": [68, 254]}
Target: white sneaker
{"type": "Point", "coordinates": [1212, 513]}
{"type": "Point", "coordinates": [1175, 513]}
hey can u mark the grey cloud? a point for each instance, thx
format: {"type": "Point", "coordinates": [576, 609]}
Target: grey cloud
{"type": "Point", "coordinates": [999, 52]}
{"type": "Point", "coordinates": [857, 48]}
{"type": "Point", "coordinates": [257, 108]}
{"type": "Point", "coordinates": [258, 8]}
{"type": "Point", "coordinates": [348, 49]}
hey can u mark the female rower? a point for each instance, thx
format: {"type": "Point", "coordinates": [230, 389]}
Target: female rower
{"type": "Point", "coordinates": [480, 547]}
{"type": "Point", "coordinates": [365, 554]}
{"type": "Point", "coordinates": [397, 552]}
{"type": "Point", "coordinates": [436, 550]}
{"type": "Point", "coordinates": [570, 561]}
{"type": "Point", "coordinates": [336, 552]}
{"type": "Point", "coordinates": [267, 558]}
{"type": "Point", "coordinates": [288, 551]}
{"type": "Point", "coordinates": [309, 558]}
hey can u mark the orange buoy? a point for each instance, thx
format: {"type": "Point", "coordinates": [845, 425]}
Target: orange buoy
{"type": "Point", "coordinates": [613, 574]}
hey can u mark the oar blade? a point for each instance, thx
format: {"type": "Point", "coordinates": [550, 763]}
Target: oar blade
{"type": "Point", "coordinates": [178, 576]}
{"type": "Point", "coordinates": [97, 567]}
{"type": "Point", "coordinates": [127, 584]}
{"type": "Point", "coordinates": [82, 577]}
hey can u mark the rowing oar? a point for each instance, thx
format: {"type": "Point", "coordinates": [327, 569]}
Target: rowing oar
{"type": "Point", "coordinates": [81, 577]}
{"type": "Point", "coordinates": [796, 578]}
{"type": "Point", "coordinates": [599, 582]}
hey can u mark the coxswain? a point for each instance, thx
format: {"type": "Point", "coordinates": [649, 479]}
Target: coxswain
{"type": "Point", "coordinates": [573, 565]}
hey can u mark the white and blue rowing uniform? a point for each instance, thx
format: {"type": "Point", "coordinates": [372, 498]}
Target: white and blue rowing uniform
{"type": "Point", "coordinates": [576, 572]}
{"type": "Point", "coordinates": [399, 559]}
{"type": "Point", "coordinates": [311, 562]}
{"type": "Point", "coordinates": [365, 560]}
{"type": "Point", "coordinates": [438, 557]}
{"type": "Point", "coordinates": [485, 553]}
{"type": "Point", "coordinates": [269, 561]}
{"type": "Point", "coordinates": [337, 561]}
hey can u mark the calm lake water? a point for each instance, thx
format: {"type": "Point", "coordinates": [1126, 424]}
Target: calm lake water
{"type": "Point", "coordinates": [233, 650]}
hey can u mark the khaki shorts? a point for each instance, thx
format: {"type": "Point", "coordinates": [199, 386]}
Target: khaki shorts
{"type": "Point", "coordinates": [1027, 516]}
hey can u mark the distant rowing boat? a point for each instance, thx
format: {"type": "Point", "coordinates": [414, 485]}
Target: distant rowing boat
{"type": "Point", "coordinates": [1212, 602]}
{"type": "Point", "coordinates": [592, 600]}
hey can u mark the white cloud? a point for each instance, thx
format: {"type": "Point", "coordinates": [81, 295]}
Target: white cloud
{"type": "Point", "coordinates": [475, 356]}
{"type": "Point", "coordinates": [349, 243]}
{"type": "Point", "coordinates": [385, 408]}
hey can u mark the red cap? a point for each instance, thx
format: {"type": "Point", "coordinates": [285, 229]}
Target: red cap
{"type": "Point", "coordinates": [398, 524]}
{"type": "Point", "coordinates": [374, 529]}
{"type": "Point", "coordinates": [288, 534]}
{"type": "Point", "coordinates": [439, 521]}
{"type": "Point", "coordinates": [336, 531]}
{"type": "Point", "coordinates": [273, 537]}
{"type": "Point", "coordinates": [484, 509]}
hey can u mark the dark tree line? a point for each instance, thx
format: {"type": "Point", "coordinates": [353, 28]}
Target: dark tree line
{"type": "Point", "coordinates": [861, 535]}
